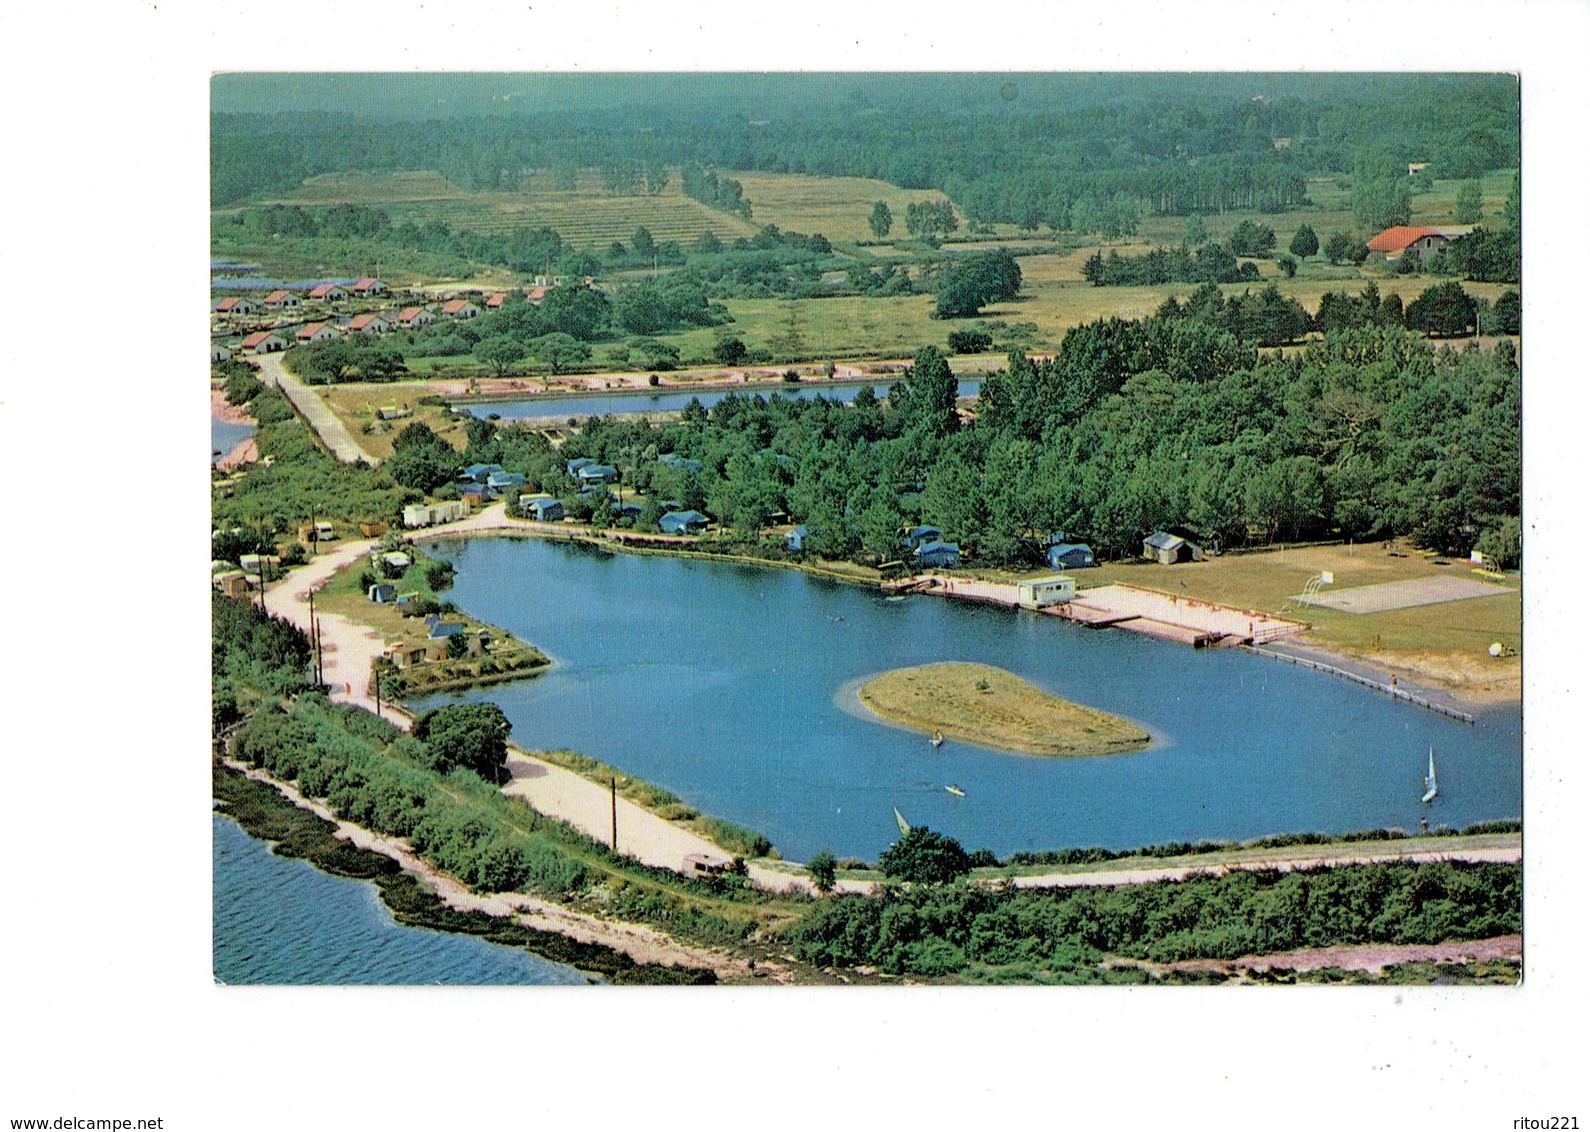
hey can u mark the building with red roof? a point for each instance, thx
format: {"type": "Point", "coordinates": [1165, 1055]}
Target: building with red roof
{"type": "Point", "coordinates": [277, 300]}
{"type": "Point", "coordinates": [369, 324]}
{"type": "Point", "coordinates": [316, 332]}
{"type": "Point", "coordinates": [263, 342]}
{"type": "Point", "coordinates": [327, 291]}
{"type": "Point", "coordinates": [236, 305]}
{"type": "Point", "coordinates": [369, 285]}
{"type": "Point", "coordinates": [415, 317]}
{"type": "Point", "coordinates": [460, 308]}
{"type": "Point", "coordinates": [1423, 241]}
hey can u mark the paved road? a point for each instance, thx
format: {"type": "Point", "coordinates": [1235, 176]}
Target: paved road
{"type": "Point", "coordinates": [332, 432]}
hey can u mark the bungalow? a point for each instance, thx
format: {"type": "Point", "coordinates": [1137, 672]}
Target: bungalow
{"type": "Point", "coordinates": [233, 583]}
{"type": "Point", "coordinates": [405, 656]}
{"type": "Point", "coordinates": [934, 553]}
{"type": "Point", "coordinates": [1422, 241]}
{"type": "Point", "coordinates": [573, 466]}
{"type": "Point", "coordinates": [682, 523]}
{"type": "Point", "coordinates": [383, 593]}
{"type": "Point", "coordinates": [500, 481]}
{"type": "Point", "coordinates": [593, 474]}
{"type": "Point", "coordinates": [534, 295]}
{"type": "Point", "coordinates": [263, 342]}
{"type": "Point", "coordinates": [474, 494]}
{"type": "Point", "coordinates": [1168, 549]}
{"type": "Point", "coordinates": [626, 510]}
{"type": "Point", "coordinates": [543, 509]}
{"type": "Point", "coordinates": [236, 304]}
{"type": "Point", "coordinates": [1036, 593]}
{"type": "Point", "coordinates": [495, 299]}
{"type": "Point", "coordinates": [796, 539]}
{"type": "Point", "coordinates": [429, 514]}
{"type": "Point", "coordinates": [369, 324]}
{"type": "Point", "coordinates": [220, 353]}
{"type": "Point", "coordinates": [328, 291]}
{"type": "Point", "coordinates": [312, 332]}
{"type": "Point", "coordinates": [440, 630]}
{"type": "Point", "coordinates": [914, 537]}
{"type": "Point", "coordinates": [415, 317]}
{"type": "Point", "coordinates": [460, 308]}
{"type": "Point", "coordinates": [674, 460]}
{"type": "Point", "coordinates": [281, 300]}
{"type": "Point", "coordinates": [1068, 555]}
{"type": "Point", "coordinates": [479, 473]}
{"type": "Point", "coordinates": [396, 559]}
{"type": "Point", "coordinates": [368, 286]}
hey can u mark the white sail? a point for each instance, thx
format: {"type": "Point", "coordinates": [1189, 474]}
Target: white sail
{"type": "Point", "coordinates": [1429, 782]}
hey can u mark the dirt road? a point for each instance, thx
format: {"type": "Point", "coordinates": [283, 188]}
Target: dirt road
{"type": "Point", "coordinates": [332, 432]}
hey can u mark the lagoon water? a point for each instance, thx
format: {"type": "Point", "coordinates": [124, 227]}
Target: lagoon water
{"type": "Point", "coordinates": [727, 684]}
{"type": "Point", "coordinates": [599, 404]}
{"type": "Point", "coordinates": [280, 920]}
{"type": "Point", "coordinates": [227, 435]}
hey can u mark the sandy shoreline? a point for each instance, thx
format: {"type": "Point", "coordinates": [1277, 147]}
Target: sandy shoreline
{"type": "Point", "coordinates": [642, 943]}
{"type": "Point", "coordinates": [223, 410]}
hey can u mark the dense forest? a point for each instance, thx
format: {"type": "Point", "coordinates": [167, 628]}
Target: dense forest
{"type": "Point", "coordinates": [1087, 153]}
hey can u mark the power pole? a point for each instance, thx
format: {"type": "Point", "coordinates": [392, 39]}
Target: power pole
{"type": "Point", "coordinates": [612, 785]}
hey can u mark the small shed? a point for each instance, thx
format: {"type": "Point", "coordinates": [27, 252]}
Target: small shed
{"type": "Point", "coordinates": [382, 593]}
{"type": "Point", "coordinates": [796, 539]}
{"type": "Point", "coordinates": [682, 523]}
{"type": "Point", "coordinates": [1167, 549]}
{"type": "Point", "coordinates": [233, 583]}
{"type": "Point", "coordinates": [1036, 593]}
{"type": "Point", "coordinates": [705, 864]}
{"type": "Point", "coordinates": [936, 553]}
{"type": "Point", "coordinates": [1068, 555]}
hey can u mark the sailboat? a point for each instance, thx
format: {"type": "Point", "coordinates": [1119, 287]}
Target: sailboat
{"type": "Point", "coordinates": [899, 820]}
{"type": "Point", "coordinates": [956, 790]}
{"type": "Point", "coordinates": [1430, 788]}
{"type": "Point", "coordinates": [938, 739]}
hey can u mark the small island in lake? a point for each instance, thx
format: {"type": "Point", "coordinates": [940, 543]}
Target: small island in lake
{"type": "Point", "coordinates": [994, 708]}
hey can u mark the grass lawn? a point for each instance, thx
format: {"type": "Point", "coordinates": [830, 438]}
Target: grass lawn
{"type": "Point", "coordinates": [356, 405]}
{"type": "Point", "coordinates": [994, 708]}
{"type": "Point", "coordinates": [1448, 639]}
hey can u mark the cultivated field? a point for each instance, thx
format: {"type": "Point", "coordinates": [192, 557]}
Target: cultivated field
{"type": "Point", "coordinates": [837, 207]}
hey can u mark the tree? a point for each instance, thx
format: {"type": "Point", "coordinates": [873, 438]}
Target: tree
{"type": "Point", "coordinates": [1304, 243]}
{"type": "Point", "coordinates": [729, 351]}
{"type": "Point", "coordinates": [930, 392]}
{"type": "Point", "coordinates": [1193, 233]}
{"type": "Point", "coordinates": [822, 870]}
{"type": "Point", "coordinates": [881, 220]}
{"type": "Point", "coordinates": [560, 351]}
{"type": "Point", "coordinates": [472, 736]}
{"type": "Point", "coordinates": [421, 460]}
{"type": "Point", "coordinates": [499, 352]}
{"type": "Point", "coordinates": [643, 243]}
{"type": "Point", "coordinates": [924, 857]}
{"type": "Point", "coordinates": [1339, 247]}
{"type": "Point", "coordinates": [970, 341]}
{"type": "Point", "coordinates": [1445, 310]}
{"type": "Point", "coordinates": [1287, 264]}
{"type": "Point", "coordinates": [1470, 203]}
{"type": "Point", "coordinates": [1250, 239]}
{"type": "Point", "coordinates": [977, 280]}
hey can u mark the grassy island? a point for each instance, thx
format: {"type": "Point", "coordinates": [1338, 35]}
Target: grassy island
{"type": "Point", "coordinates": [994, 708]}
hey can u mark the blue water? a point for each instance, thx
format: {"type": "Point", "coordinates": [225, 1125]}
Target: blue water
{"type": "Point", "coordinates": [598, 404]}
{"type": "Point", "coordinates": [224, 435]}
{"type": "Point", "coordinates": [280, 920]}
{"type": "Point", "coordinates": [724, 683]}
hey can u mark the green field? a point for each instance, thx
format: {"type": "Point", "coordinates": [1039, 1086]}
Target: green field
{"type": "Point", "coordinates": [837, 207]}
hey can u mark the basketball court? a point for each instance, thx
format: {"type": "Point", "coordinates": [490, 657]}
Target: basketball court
{"type": "Point", "coordinates": [1401, 595]}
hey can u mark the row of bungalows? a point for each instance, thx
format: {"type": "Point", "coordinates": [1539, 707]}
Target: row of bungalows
{"type": "Point", "coordinates": [682, 463]}
{"type": "Point", "coordinates": [430, 514]}
{"type": "Point", "coordinates": [589, 474]}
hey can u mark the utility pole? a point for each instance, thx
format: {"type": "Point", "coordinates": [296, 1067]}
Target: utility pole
{"type": "Point", "coordinates": [314, 637]}
{"type": "Point", "coordinates": [612, 785]}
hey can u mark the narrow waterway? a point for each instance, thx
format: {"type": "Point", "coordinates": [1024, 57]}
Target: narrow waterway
{"type": "Point", "coordinates": [600, 404]}
{"type": "Point", "coordinates": [281, 920]}
{"type": "Point", "coordinates": [727, 684]}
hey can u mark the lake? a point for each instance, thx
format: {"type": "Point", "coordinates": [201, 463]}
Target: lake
{"type": "Point", "coordinates": [599, 404]}
{"type": "Point", "coordinates": [729, 685]}
{"type": "Point", "coordinates": [280, 920]}
{"type": "Point", "coordinates": [227, 435]}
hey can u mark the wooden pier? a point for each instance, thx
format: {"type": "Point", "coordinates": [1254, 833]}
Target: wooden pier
{"type": "Point", "coordinates": [1389, 689]}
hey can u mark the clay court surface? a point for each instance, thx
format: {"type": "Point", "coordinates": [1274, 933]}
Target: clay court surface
{"type": "Point", "coordinates": [1404, 595]}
